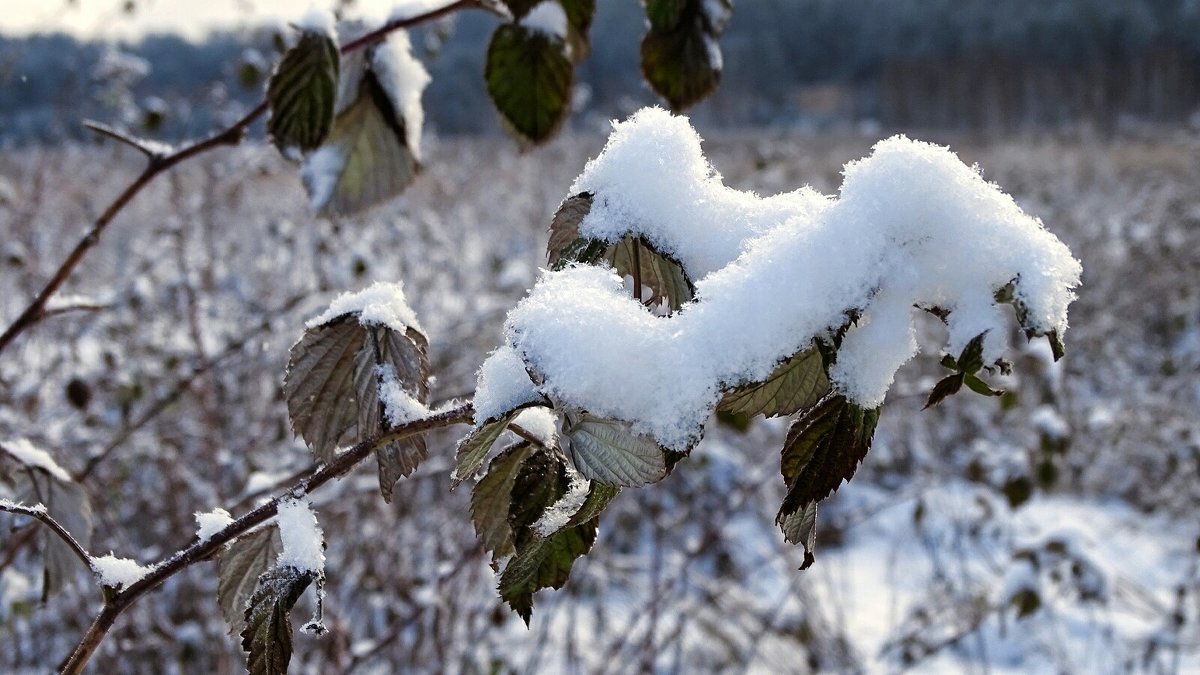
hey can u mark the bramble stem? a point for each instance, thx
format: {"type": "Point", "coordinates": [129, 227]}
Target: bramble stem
{"type": "Point", "coordinates": [203, 550]}
{"type": "Point", "coordinates": [159, 163]}
{"type": "Point", "coordinates": [39, 513]}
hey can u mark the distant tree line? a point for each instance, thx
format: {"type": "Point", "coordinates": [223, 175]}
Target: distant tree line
{"type": "Point", "coordinates": [944, 63]}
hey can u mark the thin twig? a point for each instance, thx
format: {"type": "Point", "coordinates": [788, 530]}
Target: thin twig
{"type": "Point", "coordinates": [39, 512]}
{"type": "Point", "coordinates": [153, 150]}
{"type": "Point", "coordinates": [232, 135]}
{"type": "Point", "coordinates": [202, 550]}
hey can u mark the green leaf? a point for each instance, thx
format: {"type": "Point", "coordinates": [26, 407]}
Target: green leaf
{"type": "Point", "coordinates": [796, 384]}
{"type": "Point", "coordinates": [239, 566]}
{"type": "Point", "coordinates": [947, 386]}
{"type": "Point", "coordinates": [681, 58]}
{"type": "Point", "coordinates": [319, 384]}
{"type": "Point", "coordinates": [474, 447]}
{"type": "Point", "coordinates": [823, 448]}
{"type": "Point", "coordinates": [406, 356]}
{"type": "Point", "coordinates": [302, 92]}
{"type": "Point", "coordinates": [665, 15]}
{"type": "Point", "coordinates": [609, 451]}
{"type": "Point", "coordinates": [332, 385]}
{"type": "Point", "coordinates": [971, 358]}
{"type": "Point", "coordinates": [564, 227]}
{"type": "Point", "coordinates": [600, 495]}
{"type": "Point", "coordinates": [528, 77]}
{"type": "Point", "coordinates": [579, 21]}
{"type": "Point", "coordinates": [545, 563]}
{"type": "Point", "coordinates": [661, 273]}
{"type": "Point", "coordinates": [492, 497]}
{"type": "Point", "coordinates": [800, 527]}
{"type": "Point", "coordinates": [366, 158]}
{"type": "Point", "coordinates": [267, 636]}
{"type": "Point", "coordinates": [980, 387]}
{"type": "Point", "coordinates": [540, 481]}
{"type": "Point", "coordinates": [66, 501]}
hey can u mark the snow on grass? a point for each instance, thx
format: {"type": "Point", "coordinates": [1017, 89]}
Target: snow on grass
{"type": "Point", "coordinates": [25, 452]}
{"type": "Point", "coordinates": [380, 304]}
{"type": "Point", "coordinates": [118, 572]}
{"type": "Point", "coordinates": [303, 541]}
{"type": "Point", "coordinates": [210, 523]}
{"type": "Point", "coordinates": [912, 226]}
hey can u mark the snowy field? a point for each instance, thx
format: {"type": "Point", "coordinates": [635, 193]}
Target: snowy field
{"type": "Point", "coordinates": [1052, 530]}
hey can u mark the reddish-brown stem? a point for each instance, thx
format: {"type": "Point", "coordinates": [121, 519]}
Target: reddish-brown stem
{"type": "Point", "coordinates": [40, 513]}
{"type": "Point", "coordinates": [203, 550]}
{"type": "Point", "coordinates": [158, 163]}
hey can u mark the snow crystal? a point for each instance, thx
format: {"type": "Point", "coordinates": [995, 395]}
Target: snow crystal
{"type": "Point", "coordinates": [381, 304]}
{"type": "Point", "coordinates": [403, 78]}
{"type": "Point", "coordinates": [118, 572]}
{"type": "Point", "coordinates": [541, 422]}
{"type": "Point", "coordinates": [319, 21]}
{"type": "Point", "coordinates": [303, 541]}
{"type": "Point", "coordinates": [208, 524]}
{"type": "Point", "coordinates": [398, 404]}
{"type": "Point", "coordinates": [503, 384]}
{"type": "Point", "coordinates": [912, 226]}
{"type": "Point", "coordinates": [560, 512]}
{"type": "Point", "coordinates": [10, 504]}
{"type": "Point", "coordinates": [30, 455]}
{"type": "Point", "coordinates": [547, 18]}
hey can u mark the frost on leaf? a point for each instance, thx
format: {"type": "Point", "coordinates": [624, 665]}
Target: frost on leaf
{"type": "Point", "coordinates": [239, 566]}
{"type": "Point", "coordinates": [680, 56]}
{"type": "Point", "coordinates": [267, 635]}
{"type": "Point", "coordinates": [334, 379]}
{"type": "Point", "coordinates": [40, 479]}
{"type": "Point", "coordinates": [528, 76]}
{"type": "Point", "coordinates": [609, 451]}
{"type": "Point", "coordinates": [474, 447]}
{"type": "Point", "coordinates": [302, 93]}
{"type": "Point", "coordinates": [372, 150]}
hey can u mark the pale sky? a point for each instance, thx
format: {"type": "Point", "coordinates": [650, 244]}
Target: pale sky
{"type": "Point", "coordinates": [106, 18]}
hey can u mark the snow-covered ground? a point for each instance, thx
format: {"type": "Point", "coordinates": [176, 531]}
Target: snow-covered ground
{"type": "Point", "coordinates": [1072, 501]}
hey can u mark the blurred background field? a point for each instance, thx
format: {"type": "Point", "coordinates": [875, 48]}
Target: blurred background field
{"type": "Point", "coordinates": [1052, 530]}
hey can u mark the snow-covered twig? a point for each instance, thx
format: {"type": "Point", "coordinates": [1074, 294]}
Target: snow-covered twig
{"type": "Point", "coordinates": [39, 512]}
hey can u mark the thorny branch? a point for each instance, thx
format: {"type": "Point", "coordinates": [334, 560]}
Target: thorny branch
{"type": "Point", "coordinates": [160, 160]}
{"type": "Point", "coordinates": [203, 550]}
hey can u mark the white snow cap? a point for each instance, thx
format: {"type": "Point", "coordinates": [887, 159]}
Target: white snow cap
{"type": "Point", "coordinates": [502, 385]}
{"type": "Point", "coordinates": [547, 18]}
{"type": "Point", "coordinates": [30, 455]}
{"type": "Point", "coordinates": [380, 304]}
{"type": "Point", "coordinates": [321, 21]}
{"type": "Point", "coordinates": [118, 572]}
{"type": "Point", "coordinates": [303, 541]}
{"type": "Point", "coordinates": [912, 225]}
{"type": "Point", "coordinates": [403, 78]}
{"type": "Point", "coordinates": [210, 523]}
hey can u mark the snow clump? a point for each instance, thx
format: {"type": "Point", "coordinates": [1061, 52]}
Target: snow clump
{"type": "Point", "coordinates": [911, 227]}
